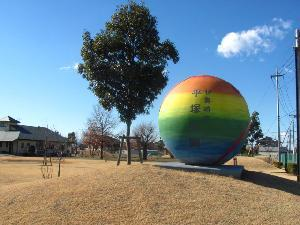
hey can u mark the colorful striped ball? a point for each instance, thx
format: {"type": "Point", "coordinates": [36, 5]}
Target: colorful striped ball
{"type": "Point", "coordinates": [204, 120]}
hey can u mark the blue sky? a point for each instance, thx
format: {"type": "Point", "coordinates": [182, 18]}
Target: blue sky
{"type": "Point", "coordinates": [240, 41]}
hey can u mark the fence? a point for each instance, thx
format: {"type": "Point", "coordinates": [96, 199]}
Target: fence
{"type": "Point", "coordinates": [288, 157]}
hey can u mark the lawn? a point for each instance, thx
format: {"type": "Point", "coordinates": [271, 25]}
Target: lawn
{"type": "Point", "coordinates": [98, 192]}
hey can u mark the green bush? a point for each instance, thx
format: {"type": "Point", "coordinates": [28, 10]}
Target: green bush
{"type": "Point", "coordinates": [291, 168]}
{"type": "Point", "coordinates": [278, 164]}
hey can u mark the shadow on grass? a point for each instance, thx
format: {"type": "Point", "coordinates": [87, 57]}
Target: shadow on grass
{"type": "Point", "coordinates": [271, 181]}
{"type": "Point", "coordinates": [283, 172]}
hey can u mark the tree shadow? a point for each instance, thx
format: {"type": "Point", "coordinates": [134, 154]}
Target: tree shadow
{"type": "Point", "coordinates": [271, 181]}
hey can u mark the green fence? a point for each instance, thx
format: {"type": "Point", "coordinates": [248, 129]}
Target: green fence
{"type": "Point", "coordinates": [291, 158]}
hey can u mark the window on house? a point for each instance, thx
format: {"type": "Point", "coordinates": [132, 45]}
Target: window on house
{"type": "Point", "coordinates": [6, 144]}
{"type": "Point", "coordinates": [22, 145]}
{"type": "Point", "coordinates": [0, 144]}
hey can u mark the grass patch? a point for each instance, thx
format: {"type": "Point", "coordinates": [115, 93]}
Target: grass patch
{"type": "Point", "coordinates": [292, 168]}
{"type": "Point", "coordinates": [99, 192]}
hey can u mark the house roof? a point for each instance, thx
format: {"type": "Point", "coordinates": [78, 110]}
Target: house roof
{"type": "Point", "coordinates": [23, 132]}
{"type": "Point", "coordinates": [9, 135]}
{"type": "Point", "coordinates": [9, 119]}
{"type": "Point", "coordinates": [39, 133]}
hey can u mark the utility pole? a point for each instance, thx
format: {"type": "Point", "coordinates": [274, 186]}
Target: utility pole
{"type": "Point", "coordinates": [293, 138]}
{"type": "Point", "coordinates": [290, 139]}
{"type": "Point", "coordinates": [293, 133]}
{"type": "Point", "coordinates": [276, 76]}
{"type": "Point", "coordinates": [297, 67]}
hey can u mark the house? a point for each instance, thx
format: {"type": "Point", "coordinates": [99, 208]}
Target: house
{"type": "Point", "coordinates": [28, 140]}
{"type": "Point", "coordinates": [271, 151]}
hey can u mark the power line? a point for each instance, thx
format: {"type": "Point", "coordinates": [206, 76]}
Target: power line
{"type": "Point", "coordinates": [269, 130]}
{"type": "Point", "coordinates": [287, 108]}
{"type": "Point", "coordinates": [263, 96]}
{"type": "Point", "coordinates": [283, 102]}
{"type": "Point", "coordinates": [288, 98]}
{"type": "Point", "coordinates": [288, 61]}
{"type": "Point", "coordinates": [285, 94]}
{"type": "Point", "coordinates": [280, 100]}
{"type": "Point", "coordinates": [288, 66]}
{"type": "Point", "coordinates": [287, 132]}
{"type": "Point", "coordinates": [270, 127]}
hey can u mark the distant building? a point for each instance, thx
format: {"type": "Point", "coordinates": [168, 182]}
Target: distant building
{"type": "Point", "coordinates": [21, 140]}
{"type": "Point", "coordinates": [271, 151]}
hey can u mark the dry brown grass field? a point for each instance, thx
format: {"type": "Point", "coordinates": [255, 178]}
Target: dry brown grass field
{"type": "Point", "coordinates": [99, 192]}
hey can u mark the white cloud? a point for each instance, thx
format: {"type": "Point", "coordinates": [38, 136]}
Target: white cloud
{"type": "Point", "coordinates": [255, 40]}
{"type": "Point", "coordinates": [70, 67]}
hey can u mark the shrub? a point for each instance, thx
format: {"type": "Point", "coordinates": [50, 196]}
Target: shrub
{"type": "Point", "coordinates": [278, 164]}
{"type": "Point", "coordinates": [244, 150]}
{"type": "Point", "coordinates": [291, 168]}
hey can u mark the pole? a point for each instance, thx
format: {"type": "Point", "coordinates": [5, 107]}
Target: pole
{"type": "Point", "coordinates": [278, 114]}
{"type": "Point", "coordinates": [293, 138]}
{"type": "Point", "coordinates": [138, 139]}
{"type": "Point", "coordinates": [290, 140]}
{"type": "Point", "coordinates": [120, 150]}
{"type": "Point", "coordinates": [277, 75]}
{"type": "Point", "coordinates": [297, 68]}
{"type": "Point", "coordinates": [293, 133]}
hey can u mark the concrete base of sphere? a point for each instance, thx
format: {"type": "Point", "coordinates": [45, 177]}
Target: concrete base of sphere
{"type": "Point", "coordinates": [222, 170]}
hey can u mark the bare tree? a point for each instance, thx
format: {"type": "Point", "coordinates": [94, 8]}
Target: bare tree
{"type": "Point", "coordinates": [91, 138]}
{"type": "Point", "coordinates": [100, 127]}
{"type": "Point", "coordinates": [148, 134]}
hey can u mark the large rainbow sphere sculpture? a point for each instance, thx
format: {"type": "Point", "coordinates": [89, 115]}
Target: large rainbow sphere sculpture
{"type": "Point", "coordinates": [204, 120]}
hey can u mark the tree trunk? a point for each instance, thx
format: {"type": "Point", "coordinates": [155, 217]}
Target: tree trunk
{"type": "Point", "coordinates": [250, 152]}
{"type": "Point", "coordinates": [93, 152]}
{"type": "Point", "coordinates": [145, 152]}
{"type": "Point", "coordinates": [59, 167]}
{"type": "Point", "coordinates": [101, 151]}
{"type": "Point", "coordinates": [128, 143]}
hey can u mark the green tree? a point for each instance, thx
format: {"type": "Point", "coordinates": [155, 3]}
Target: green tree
{"type": "Point", "coordinates": [72, 138]}
{"type": "Point", "coordinates": [72, 143]}
{"type": "Point", "coordinates": [125, 63]}
{"type": "Point", "coordinates": [255, 133]}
